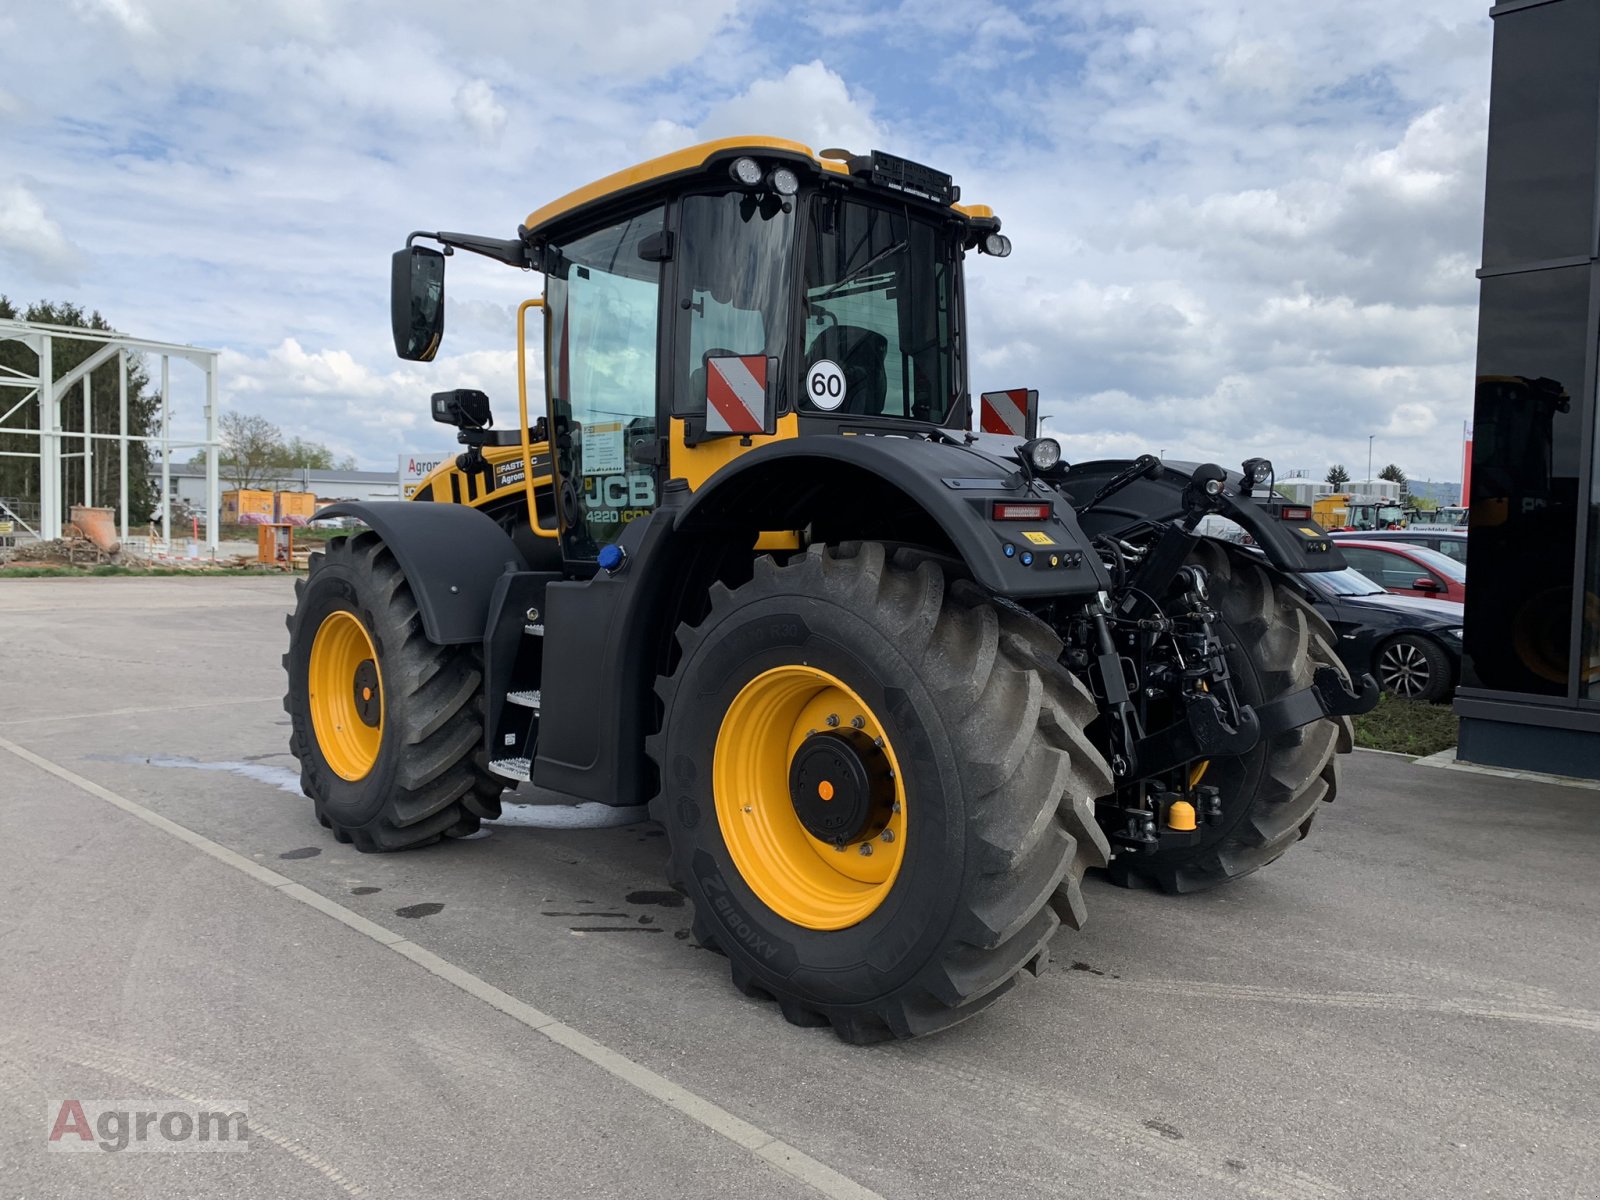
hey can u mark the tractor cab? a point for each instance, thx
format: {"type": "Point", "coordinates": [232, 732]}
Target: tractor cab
{"type": "Point", "coordinates": [711, 300]}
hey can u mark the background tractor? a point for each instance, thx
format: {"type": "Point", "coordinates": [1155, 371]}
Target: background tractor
{"type": "Point", "coordinates": [889, 686]}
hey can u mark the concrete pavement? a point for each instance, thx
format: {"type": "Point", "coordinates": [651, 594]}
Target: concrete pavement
{"type": "Point", "coordinates": [1408, 1004]}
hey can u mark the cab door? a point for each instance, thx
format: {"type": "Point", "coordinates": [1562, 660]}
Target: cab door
{"type": "Point", "coordinates": [603, 293]}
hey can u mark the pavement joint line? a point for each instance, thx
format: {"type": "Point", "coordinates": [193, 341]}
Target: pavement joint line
{"type": "Point", "coordinates": [133, 712]}
{"type": "Point", "coordinates": [775, 1152]}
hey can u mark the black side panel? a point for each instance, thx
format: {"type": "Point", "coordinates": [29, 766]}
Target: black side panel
{"type": "Point", "coordinates": [1294, 546]}
{"type": "Point", "coordinates": [451, 556]}
{"type": "Point", "coordinates": [601, 657]}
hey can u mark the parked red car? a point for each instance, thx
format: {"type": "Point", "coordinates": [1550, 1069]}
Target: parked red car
{"type": "Point", "coordinates": [1408, 570]}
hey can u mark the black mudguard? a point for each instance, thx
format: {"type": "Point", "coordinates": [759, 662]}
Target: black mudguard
{"type": "Point", "coordinates": [898, 489]}
{"type": "Point", "coordinates": [451, 556]}
{"type": "Point", "coordinates": [1293, 546]}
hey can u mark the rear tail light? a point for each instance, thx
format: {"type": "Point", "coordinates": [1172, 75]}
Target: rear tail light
{"type": "Point", "coordinates": [1291, 513]}
{"type": "Point", "coordinates": [1007, 511]}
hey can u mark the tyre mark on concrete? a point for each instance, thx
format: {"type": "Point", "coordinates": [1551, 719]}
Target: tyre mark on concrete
{"type": "Point", "coordinates": [1158, 1146]}
{"type": "Point", "coordinates": [1554, 1015]}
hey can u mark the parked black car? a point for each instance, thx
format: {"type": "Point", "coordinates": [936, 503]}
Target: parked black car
{"type": "Point", "coordinates": [1411, 646]}
{"type": "Point", "coordinates": [1446, 541]}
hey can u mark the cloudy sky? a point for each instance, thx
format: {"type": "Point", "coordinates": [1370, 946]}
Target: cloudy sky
{"type": "Point", "coordinates": [1241, 227]}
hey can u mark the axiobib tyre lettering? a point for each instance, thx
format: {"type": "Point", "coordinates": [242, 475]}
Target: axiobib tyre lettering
{"type": "Point", "coordinates": [997, 813]}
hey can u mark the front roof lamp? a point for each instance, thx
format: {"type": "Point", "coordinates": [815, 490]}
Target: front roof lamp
{"type": "Point", "coordinates": [783, 181]}
{"type": "Point", "coordinates": [746, 171]}
{"type": "Point", "coordinates": [997, 244]}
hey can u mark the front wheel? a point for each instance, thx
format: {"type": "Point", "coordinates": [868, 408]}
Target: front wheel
{"type": "Point", "coordinates": [388, 727]}
{"type": "Point", "coordinates": [874, 787]}
{"type": "Point", "coordinates": [1274, 641]}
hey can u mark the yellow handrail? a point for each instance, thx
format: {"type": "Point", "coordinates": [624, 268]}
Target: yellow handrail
{"type": "Point", "coordinates": [527, 446]}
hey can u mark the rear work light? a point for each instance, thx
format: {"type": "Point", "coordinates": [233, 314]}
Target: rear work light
{"type": "Point", "coordinates": [1007, 511]}
{"type": "Point", "coordinates": [1294, 513]}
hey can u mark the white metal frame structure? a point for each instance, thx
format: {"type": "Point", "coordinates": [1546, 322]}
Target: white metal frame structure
{"type": "Point", "coordinates": [53, 439]}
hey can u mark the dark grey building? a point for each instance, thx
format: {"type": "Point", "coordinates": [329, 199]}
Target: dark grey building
{"type": "Point", "coordinates": [1530, 694]}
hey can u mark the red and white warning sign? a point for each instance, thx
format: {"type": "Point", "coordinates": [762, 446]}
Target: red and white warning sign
{"type": "Point", "coordinates": [1006, 412]}
{"type": "Point", "coordinates": [736, 393]}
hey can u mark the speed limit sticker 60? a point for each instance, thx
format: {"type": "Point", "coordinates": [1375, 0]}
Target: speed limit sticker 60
{"type": "Point", "coordinates": [825, 385]}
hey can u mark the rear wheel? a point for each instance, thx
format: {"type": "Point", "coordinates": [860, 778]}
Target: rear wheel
{"type": "Point", "coordinates": [1274, 641]}
{"type": "Point", "coordinates": [873, 786]}
{"type": "Point", "coordinates": [388, 727]}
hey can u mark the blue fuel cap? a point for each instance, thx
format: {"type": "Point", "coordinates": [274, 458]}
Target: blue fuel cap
{"type": "Point", "coordinates": [612, 557]}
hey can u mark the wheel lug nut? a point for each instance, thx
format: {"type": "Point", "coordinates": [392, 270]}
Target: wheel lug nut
{"type": "Point", "coordinates": [888, 835]}
{"type": "Point", "coordinates": [878, 742]}
{"type": "Point", "coordinates": [833, 720]}
{"type": "Point", "coordinates": [858, 722]}
{"type": "Point", "coordinates": [866, 849]}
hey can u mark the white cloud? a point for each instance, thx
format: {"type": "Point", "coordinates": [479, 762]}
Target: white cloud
{"type": "Point", "coordinates": [808, 103]}
{"type": "Point", "coordinates": [32, 240]}
{"type": "Point", "coordinates": [485, 115]}
{"type": "Point", "coordinates": [1242, 226]}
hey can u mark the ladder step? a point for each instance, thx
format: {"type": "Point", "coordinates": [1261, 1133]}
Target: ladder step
{"type": "Point", "coordinates": [533, 630]}
{"type": "Point", "coordinates": [526, 699]}
{"type": "Point", "coordinates": [513, 768]}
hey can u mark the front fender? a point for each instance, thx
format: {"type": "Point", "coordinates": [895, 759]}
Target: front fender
{"type": "Point", "coordinates": [897, 489]}
{"type": "Point", "coordinates": [1294, 546]}
{"type": "Point", "coordinates": [451, 556]}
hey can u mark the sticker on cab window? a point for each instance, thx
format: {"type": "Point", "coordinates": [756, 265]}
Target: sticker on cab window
{"type": "Point", "coordinates": [825, 385]}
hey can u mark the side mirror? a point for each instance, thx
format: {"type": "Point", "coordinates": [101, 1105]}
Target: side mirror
{"type": "Point", "coordinates": [1425, 583]}
{"type": "Point", "coordinates": [416, 302]}
{"type": "Point", "coordinates": [741, 394]}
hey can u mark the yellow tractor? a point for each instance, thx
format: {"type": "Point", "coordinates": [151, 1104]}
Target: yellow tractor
{"type": "Point", "coordinates": [889, 685]}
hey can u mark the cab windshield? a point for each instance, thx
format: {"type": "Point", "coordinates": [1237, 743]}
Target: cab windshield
{"type": "Point", "coordinates": [880, 321]}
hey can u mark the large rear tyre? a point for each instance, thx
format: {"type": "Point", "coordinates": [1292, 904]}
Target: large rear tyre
{"type": "Point", "coordinates": [388, 727]}
{"type": "Point", "coordinates": [1269, 796]}
{"type": "Point", "coordinates": [873, 786]}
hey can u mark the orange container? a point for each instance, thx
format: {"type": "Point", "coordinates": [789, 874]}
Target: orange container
{"type": "Point", "coordinates": [247, 506]}
{"type": "Point", "coordinates": [295, 508]}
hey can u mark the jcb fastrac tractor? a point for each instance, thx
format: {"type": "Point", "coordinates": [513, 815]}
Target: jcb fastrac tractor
{"type": "Point", "coordinates": [890, 686]}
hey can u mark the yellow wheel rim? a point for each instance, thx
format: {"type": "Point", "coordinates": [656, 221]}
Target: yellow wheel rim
{"type": "Point", "coordinates": [802, 878]}
{"type": "Point", "coordinates": [346, 695]}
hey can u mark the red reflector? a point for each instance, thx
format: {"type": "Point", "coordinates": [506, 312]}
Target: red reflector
{"type": "Point", "coordinates": [1295, 514]}
{"type": "Point", "coordinates": [1022, 512]}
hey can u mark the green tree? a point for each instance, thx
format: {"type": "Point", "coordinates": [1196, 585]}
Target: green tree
{"type": "Point", "coordinates": [1338, 476]}
{"type": "Point", "coordinates": [1394, 474]}
{"type": "Point", "coordinates": [255, 454]}
{"type": "Point", "coordinates": [19, 477]}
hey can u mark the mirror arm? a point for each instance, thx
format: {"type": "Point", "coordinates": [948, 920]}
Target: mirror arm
{"type": "Point", "coordinates": [511, 251]}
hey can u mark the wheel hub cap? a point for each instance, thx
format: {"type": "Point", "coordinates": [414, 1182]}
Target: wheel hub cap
{"type": "Point", "coordinates": [842, 787]}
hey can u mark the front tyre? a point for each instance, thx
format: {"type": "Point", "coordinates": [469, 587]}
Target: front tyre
{"type": "Point", "coordinates": [388, 727]}
{"type": "Point", "coordinates": [873, 787]}
{"type": "Point", "coordinates": [1274, 642]}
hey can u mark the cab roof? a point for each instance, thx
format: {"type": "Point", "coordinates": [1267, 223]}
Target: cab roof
{"type": "Point", "coordinates": [692, 161]}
